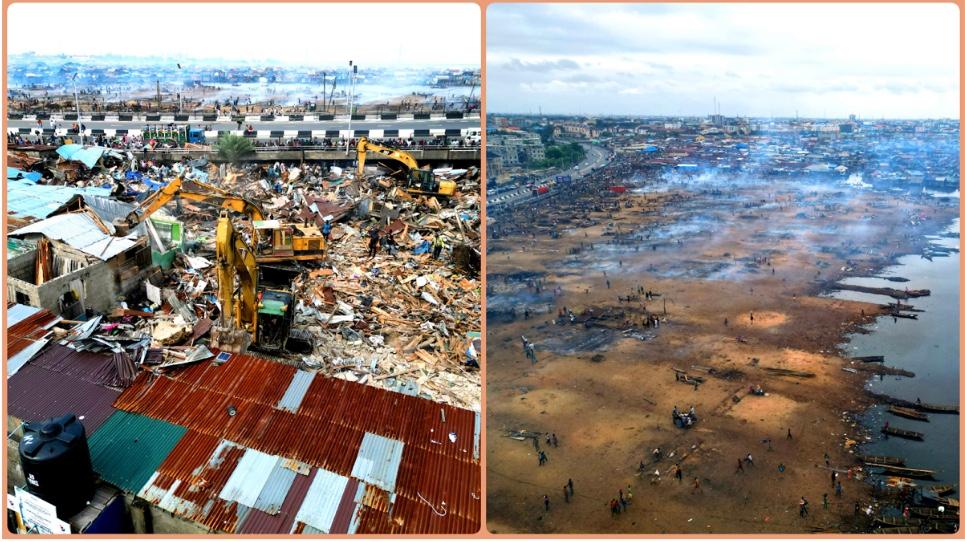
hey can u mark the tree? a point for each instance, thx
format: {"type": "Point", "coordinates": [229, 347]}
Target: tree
{"type": "Point", "coordinates": [233, 147]}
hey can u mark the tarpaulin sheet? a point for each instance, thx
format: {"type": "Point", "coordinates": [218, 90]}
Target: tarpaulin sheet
{"type": "Point", "coordinates": [14, 173]}
{"type": "Point", "coordinates": [89, 156]}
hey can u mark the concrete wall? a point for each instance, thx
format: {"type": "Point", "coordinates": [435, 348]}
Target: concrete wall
{"type": "Point", "coordinates": [22, 266]}
{"type": "Point", "coordinates": [101, 285]}
{"type": "Point", "coordinates": [160, 521]}
{"type": "Point", "coordinates": [130, 268]}
{"type": "Point", "coordinates": [96, 289]}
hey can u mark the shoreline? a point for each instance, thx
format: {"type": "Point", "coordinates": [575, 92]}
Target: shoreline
{"type": "Point", "coordinates": [503, 523]}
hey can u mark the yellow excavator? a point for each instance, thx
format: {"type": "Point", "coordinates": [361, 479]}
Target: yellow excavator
{"type": "Point", "coordinates": [419, 181]}
{"type": "Point", "coordinates": [274, 240]}
{"type": "Point", "coordinates": [257, 308]}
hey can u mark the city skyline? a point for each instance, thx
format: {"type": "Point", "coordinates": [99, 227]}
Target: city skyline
{"type": "Point", "coordinates": [311, 33]}
{"type": "Point", "coordinates": [761, 60]}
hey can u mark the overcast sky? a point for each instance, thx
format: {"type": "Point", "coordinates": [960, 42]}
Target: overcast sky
{"type": "Point", "coordinates": [370, 34]}
{"type": "Point", "coordinates": [819, 60]}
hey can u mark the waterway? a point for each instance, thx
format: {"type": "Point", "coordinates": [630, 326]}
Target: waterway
{"type": "Point", "coordinates": [929, 347]}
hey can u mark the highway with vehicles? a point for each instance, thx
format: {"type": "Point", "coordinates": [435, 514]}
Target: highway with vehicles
{"type": "Point", "coordinates": [596, 157]}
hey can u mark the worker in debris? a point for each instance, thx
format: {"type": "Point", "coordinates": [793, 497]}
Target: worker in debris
{"type": "Point", "coordinates": [390, 244]}
{"type": "Point", "coordinates": [327, 230]}
{"type": "Point", "coordinates": [437, 245]}
{"type": "Point", "coordinates": [373, 242]}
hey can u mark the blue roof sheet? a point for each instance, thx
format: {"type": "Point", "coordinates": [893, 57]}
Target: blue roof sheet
{"type": "Point", "coordinates": [26, 199]}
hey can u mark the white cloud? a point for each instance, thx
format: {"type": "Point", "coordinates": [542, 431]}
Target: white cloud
{"type": "Point", "coordinates": [893, 60]}
{"type": "Point", "coordinates": [304, 33]}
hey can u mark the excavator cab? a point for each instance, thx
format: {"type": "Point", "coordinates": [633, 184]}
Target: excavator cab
{"type": "Point", "coordinates": [275, 305]}
{"type": "Point", "coordinates": [274, 239]}
{"type": "Point", "coordinates": [422, 181]}
{"type": "Point", "coordinates": [275, 314]}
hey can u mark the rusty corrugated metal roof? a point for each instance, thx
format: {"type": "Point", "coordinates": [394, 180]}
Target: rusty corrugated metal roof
{"type": "Point", "coordinates": [28, 330]}
{"type": "Point", "coordinates": [259, 522]}
{"type": "Point", "coordinates": [325, 431]}
{"type": "Point", "coordinates": [188, 482]}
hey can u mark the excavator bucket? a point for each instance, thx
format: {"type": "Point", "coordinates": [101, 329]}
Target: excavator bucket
{"type": "Point", "coordinates": [230, 338]}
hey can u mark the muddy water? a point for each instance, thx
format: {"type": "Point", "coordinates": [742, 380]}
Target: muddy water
{"type": "Point", "coordinates": [929, 347]}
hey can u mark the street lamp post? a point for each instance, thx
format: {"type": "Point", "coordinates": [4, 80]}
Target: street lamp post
{"type": "Point", "coordinates": [181, 93]}
{"type": "Point", "coordinates": [351, 103]}
{"type": "Point", "coordinates": [80, 132]}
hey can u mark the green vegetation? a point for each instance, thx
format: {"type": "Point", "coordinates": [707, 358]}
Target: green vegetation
{"type": "Point", "coordinates": [233, 147]}
{"type": "Point", "coordinates": [562, 156]}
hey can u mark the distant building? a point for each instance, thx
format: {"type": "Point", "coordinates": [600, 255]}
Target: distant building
{"type": "Point", "coordinates": [507, 150]}
{"type": "Point", "coordinates": [576, 129]}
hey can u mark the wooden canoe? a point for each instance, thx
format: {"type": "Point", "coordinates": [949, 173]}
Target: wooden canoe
{"type": "Point", "coordinates": [933, 513]}
{"type": "Point", "coordinates": [903, 433]}
{"type": "Point", "coordinates": [898, 521]}
{"type": "Point", "coordinates": [904, 471]}
{"type": "Point", "coordinates": [938, 409]}
{"type": "Point", "coordinates": [947, 502]}
{"type": "Point", "coordinates": [882, 460]}
{"type": "Point", "coordinates": [908, 413]}
{"type": "Point", "coordinates": [897, 530]}
{"type": "Point", "coordinates": [869, 359]}
{"type": "Point", "coordinates": [942, 489]}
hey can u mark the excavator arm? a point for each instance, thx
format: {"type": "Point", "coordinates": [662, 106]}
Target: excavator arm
{"type": "Point", "coordinates": [420, 181]}
{"type": "Point", "coordinates": [364, 146]}
{"type": "Point", "coordinates": [196, 191]}
{"type": "Point", "coordinates": [235, 258]}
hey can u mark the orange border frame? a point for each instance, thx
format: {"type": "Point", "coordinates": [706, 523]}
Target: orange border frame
{"type": "Point", "coordinates": [483, 532]}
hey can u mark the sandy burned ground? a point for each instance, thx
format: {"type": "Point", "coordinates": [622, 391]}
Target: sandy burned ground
{"type": "Point", "coordinates": [607, 391]}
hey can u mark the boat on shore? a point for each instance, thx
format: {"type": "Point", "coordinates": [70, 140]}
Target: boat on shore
{"type": "Point", "coordinates": [942, 489]}
{"type": "Point", "coordinates": [940, 409]}
{"type": "Point", "coordinates": [947, 502]}
{"type": "Point", "coordinates": [903, 433]}
{"type": "Point", "coordinates": [908, 413]}
{"type": "Point", "coordinates": [933, 514]}
{"type": "Point", "coordinates": [882, 460]}
{"type": "Point", "coordinates": [904, 471]}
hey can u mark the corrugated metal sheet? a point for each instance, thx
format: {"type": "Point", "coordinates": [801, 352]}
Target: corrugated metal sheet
{"type": "Point", "coordinates": [326, 431]}
{"type": "Point", "coordinates": [276, 488]}
{"type": "Point", "coordinates": [249, 477]}
{"type": "Point", "coordinates": [80, 231]}
{"type": "Point", "coordinates": [296, 391]}
{"type": "Point", "coordinates": [476, 433]}
{"type": "Point", "coordinates": [26, 350]}
{"type": "Point", "coordinates": [128, 448]}
{"type": "Point", "coordinates": [28, 331]}
{"type": "Point", "coordinates": [259, 522]}
{"type": "Point", "coordinates": [378, 461]}
{"type": "Point", "coordinates": [346, 508]}
{"type": "Point", "coordinates": [16, 313]}
{"type": "Point", "coordinates": [188, 482]}
{"type": "Point", "coordinates": [36, 393]}
{"type": "Point", "coordinates": [90, 367]}
{"type": "Point", "coordinates": [26, 199]}
{"type": "Point", "coordinates": [322, 500]}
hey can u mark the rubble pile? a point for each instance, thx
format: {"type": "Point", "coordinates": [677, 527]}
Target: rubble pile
{"type": "Point", "coordinates": [406, 318]}
{"type": "Point", "coordinates": [401, 319]}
